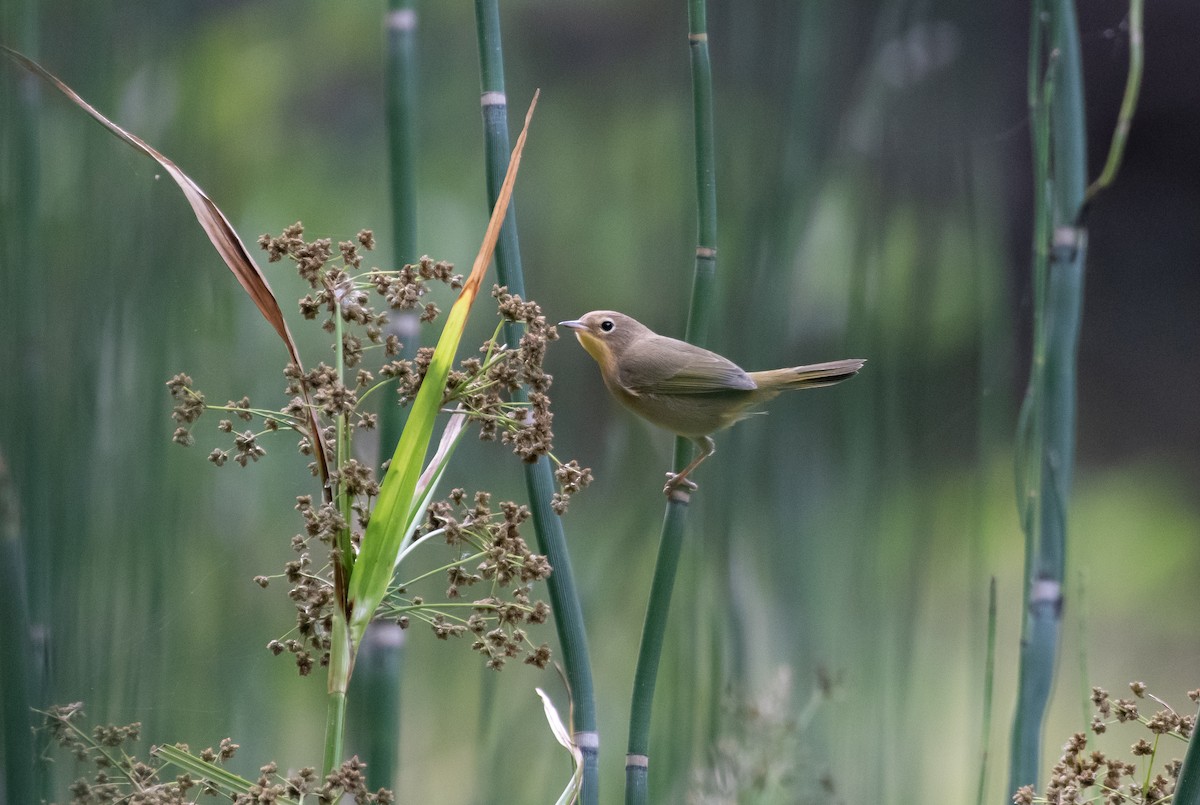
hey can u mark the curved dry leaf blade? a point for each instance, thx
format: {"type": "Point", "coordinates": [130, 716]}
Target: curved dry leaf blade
{"type": "Point", "coordinates": [220, 232]}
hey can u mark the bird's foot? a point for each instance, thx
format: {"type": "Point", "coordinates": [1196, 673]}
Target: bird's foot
{"type": "Point", "coordinates": [678, 482]}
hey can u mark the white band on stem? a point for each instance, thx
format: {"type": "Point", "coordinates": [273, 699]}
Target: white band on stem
{"type": "Point", "coordinates": [1045, 590]}
{"type": "Point", "coordinates": [402, 19]}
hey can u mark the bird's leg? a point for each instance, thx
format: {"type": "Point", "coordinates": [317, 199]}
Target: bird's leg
{"type": "Point", "coordinates": [675, 480]}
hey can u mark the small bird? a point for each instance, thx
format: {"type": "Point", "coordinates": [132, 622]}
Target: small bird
{"type": "Point", "coordinates": [684, 388]}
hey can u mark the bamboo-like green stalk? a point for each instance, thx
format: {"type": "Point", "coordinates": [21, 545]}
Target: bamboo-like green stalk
{"type": "Point", "coordinates": [637, 758]}
{"type": "Point", "coordinates": [22, 675]}
{"type": "Point", "coordinates": [539, 478]}
{"type": "Point", "coordinates": [401, 81]}
{"type": "Point", "coordinates": [1187, 787]}
{"type": "Point", "coordinates": [18, 673]}
{"type": "Point", "coordinates": [1047, 430]}
{"type": "Point", "coordinates": [374, 715]}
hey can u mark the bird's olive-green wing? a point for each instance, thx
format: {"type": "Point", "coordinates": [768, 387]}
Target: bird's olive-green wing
{"type": "Point", "coordinates": [660, 365]}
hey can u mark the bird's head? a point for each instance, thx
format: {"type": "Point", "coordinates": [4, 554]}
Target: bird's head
{"type": "Point", "coordinates": [606, 334]}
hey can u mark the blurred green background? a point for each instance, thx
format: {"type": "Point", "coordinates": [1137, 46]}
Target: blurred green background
{"type": "Point", "coordinates": [874, 197]}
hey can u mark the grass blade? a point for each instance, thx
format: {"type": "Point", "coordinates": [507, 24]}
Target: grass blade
{"type": "Point", "coordinates": [223, 780]}
{"type": "Point", "coordinates": [393, 510]}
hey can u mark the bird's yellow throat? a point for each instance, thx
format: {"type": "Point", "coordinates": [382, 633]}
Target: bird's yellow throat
{"type": "Point", "coordinates": [599, 351]}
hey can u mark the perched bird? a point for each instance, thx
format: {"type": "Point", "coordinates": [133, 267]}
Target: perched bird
{"type": "Point", "coordinates": [684, 388]}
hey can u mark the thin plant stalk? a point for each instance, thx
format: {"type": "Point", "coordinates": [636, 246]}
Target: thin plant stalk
{"type": "Point", "coordinates": [1133, 86]}
{"type": "Point", "coordinates": [989, 676]}
{"type": "Point", "coordinates": [539, 478]}
{"type": "Point", "coordinates": [637, 758]}
{"type": "Point", "coordinates": [1046, 436]}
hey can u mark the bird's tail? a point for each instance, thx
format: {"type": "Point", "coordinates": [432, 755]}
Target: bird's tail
{"type": "Point", "coordinates": [808, 377]}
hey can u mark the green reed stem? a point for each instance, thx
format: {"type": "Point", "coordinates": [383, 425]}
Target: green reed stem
{"type": "Point", "coordinates": [401, 112]}
{"type": "Point", "coordinates": [1187, 787]}
{"type": "Point", "coordinates": [1046, 434]}
{"type": "Point", "coordinates": [401, 80]}
{"type": "Point", "coordinates": [335, 720]}
{"type": "Point", "coordinates": [637, 759]}
{"type": "Point", "coordinates": [539, 478]}
{"type": "Point", "coordinates": [19, 671]}
{"type": "Point", "coordinates": [23, 678]}
{"type": "Point", "coordinates": [340, 664]}
{"type": "Point", "coordinates": [375, 708]}
{"type": "Point", "coordinates": [374, 715]}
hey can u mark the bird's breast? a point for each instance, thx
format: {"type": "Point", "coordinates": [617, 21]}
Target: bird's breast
{"type": "Point", "coordinates": [687, 414]}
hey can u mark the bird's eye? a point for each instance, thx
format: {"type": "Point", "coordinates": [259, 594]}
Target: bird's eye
{"type": "Point", "coordinates": [607, 325]}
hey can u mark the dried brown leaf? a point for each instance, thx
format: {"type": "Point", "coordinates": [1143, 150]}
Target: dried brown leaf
{"type": "Point", "coordinates": [220, 232]}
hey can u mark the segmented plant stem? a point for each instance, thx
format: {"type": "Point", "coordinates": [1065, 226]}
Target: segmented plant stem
{"type": "Point", "coordinates": [637, 759]}
{"type": "Point", "coordinates": [539, 478]}
{"type": "Point", "coordinates": [1046, 434]}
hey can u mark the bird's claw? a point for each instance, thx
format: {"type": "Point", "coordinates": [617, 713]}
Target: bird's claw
{"type": "Point", "coordinates": [674, 482]}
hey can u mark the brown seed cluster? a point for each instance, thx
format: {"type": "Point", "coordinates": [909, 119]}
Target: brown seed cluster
{"type": "Point", "coordinates": [571, 478]}
{"type": "Point", "coordinates": [311, 591]}
{"type": "Point", "coordinates": [503, 390]}
{"type": "Point", "coordinates": [490, 554]}
{"type": "Point", "coordinates": [1080, 776]}
{"type": "Point", "coordinates": [118, 775]}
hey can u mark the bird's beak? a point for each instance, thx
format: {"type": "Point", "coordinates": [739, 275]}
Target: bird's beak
{"type": "Point", "coordinates": [573, 324]}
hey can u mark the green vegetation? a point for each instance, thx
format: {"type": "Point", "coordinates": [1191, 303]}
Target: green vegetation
{"type": "Point", "coordinates": [830, 635]}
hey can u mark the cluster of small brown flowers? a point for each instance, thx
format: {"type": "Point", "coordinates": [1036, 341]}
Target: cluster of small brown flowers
{"type": "Point", "coordinates": [483, 387]}
{"type": "Point", "coordinates": [488, 388]}
{"type": "Point", "coordinates": [1080, 776]}
{"type": "Point", "coordinates": [120, 777]}
{"type": "Point", "coordinates": [571, 479]}
{"type": "Point", "coordinates": [312, 592]}
{"type": "Point", "coordinates": [348, 780]}
{"type": "Point", "coordinates": [336, 291]}
{"type": "Point", "coordinates": [339, 293]}
{"type": "Point", "coordinates": [492, 542]}
{"type": "Point", "coordinates": [190, 404]}
{"type": "Point", "coordinates": [534, 436]}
